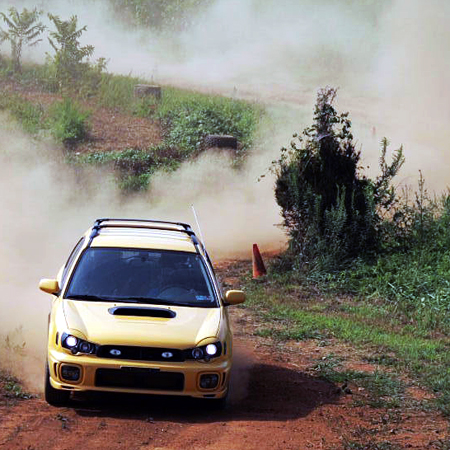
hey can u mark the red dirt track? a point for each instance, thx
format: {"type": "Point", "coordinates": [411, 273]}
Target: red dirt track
{"type": "Point", "coordinates": [277, 403]}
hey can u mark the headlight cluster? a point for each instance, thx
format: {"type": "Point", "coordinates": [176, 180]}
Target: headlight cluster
{"type": "Point", "coordinates": [77, 345]}
{"type": "Point", "coordinates": [205, 352]}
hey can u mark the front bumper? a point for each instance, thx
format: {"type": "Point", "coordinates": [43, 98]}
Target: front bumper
{"type": "Point", "coordinates": [91, 367]}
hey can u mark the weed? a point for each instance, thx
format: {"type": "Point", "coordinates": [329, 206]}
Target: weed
{"type": "Point", "coordinates": [385, 390]}
{"type": "Point", "coordinates": [12, 388]}
{"type": "Point", "coordinates": [372, 445]}
{"type": "Point", "coordinates": [68, 122]}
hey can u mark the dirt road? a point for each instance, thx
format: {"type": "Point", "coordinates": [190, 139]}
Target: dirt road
{"type": "Point", "coordinates": [277, 403]}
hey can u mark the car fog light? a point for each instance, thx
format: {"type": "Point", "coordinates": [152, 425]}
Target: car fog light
{"type": "Point", "coordinates": [70, 373]}
{"type": "Point", "coordinates": [197, 353]}
{"type": "Point", "coordinates": [71, 341]}
{"type": "Point", "coordinates": [209, 381]}
{"type": "Point", "coordinates": [211, 349]}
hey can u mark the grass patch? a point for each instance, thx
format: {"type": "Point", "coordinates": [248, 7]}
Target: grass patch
{"type": "Point", "coordinates": [424, 358]}
{"type": "Point", "coordinates": [384, 390]}
{"type": "Point", "coordinates": [31, 116]}
{"type": "Point", "coordinates": [11, 389]}
{"type": "Point", "coordinates": [185, 116]}
{"type": "Point", "coordinates": [189, 116]}
{"type": "Point", "coordinates": [133, 167]}
{"type": "Point", "coordinates": [117, 91]}
{"type": "Point", "coordinates": [370, 445]}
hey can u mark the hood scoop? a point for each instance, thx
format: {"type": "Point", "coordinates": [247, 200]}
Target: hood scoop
{"type": "Point", "coordinates": [142, 312]}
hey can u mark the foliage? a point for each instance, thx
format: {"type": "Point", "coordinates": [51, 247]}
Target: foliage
{"type": "Point", "coordinates": [159, 14]}
{"type": "Point", "coordinates": [13, 388]}
{"type": "Point", "coordinates": [188, 117]}
{"type": "Point", "coordinates": [328, 207]}
{"type": "Point", "coordinates": [69, 59]}
{"type": "Point", "coordinates": [68, 122]}
{"type": "Point", "coordinates": [400, 345]}
{"type": "Point", "coordinates": [134, 167]}
{"type": "Point", "coordinates": [30, 115]}
{"type": "Point", "coordinates": [412, 275]}
{"type": "Point", "coordinates": [117, 91]}
{"type": "Point", "coordinates": [23, 29]}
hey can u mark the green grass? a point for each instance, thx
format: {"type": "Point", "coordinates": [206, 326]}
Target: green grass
{"type": "Point", "coordinates": [185, 117]}
{"type": "Point", "coordinates": [424, 358]}
{"type": "Point", "coordinates": [189, 116]}
{"type": "Point", "coordinates": [133, 168]}
{"type": "Point", "coordinates": [12, 388]}
{"type": "Point", "coordinates": [31, 116]}
{"type": "Point", "coordinates": [117, 91]}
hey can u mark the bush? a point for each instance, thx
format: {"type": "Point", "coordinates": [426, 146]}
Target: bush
{"type": "Point", "coordinates": [134, 167]}
{"type": "Point", "coordinates": [68, 123]}
{"type": "Point", "coordinates": [328, 207]}
{"type": "Point", "coordinates": [189, 117]}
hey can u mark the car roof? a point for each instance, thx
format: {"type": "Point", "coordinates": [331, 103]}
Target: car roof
{"type": "Point", "coordinates": [146, 234]}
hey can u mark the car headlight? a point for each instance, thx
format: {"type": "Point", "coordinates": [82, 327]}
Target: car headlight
{"type": "Point", "coordinates": [205, 352]}
{"type": "Point", "coordinates": [77, 345]}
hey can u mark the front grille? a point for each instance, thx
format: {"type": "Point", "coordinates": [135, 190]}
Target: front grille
{"type": "Point", "coordinates": [139, 379]}
{"type": "Point", "coordinates": [140, 353]}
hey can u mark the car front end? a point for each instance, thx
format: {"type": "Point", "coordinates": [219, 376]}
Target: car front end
{"type": "Point", "coordinates": [122, 356]}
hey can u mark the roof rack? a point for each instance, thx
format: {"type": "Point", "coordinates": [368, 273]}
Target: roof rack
{"type": "Point", "coordinates": [145, 223]}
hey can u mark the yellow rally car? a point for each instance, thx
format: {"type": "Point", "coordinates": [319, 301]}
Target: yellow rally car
{"type": "Point", "coordinates": [138, 309]}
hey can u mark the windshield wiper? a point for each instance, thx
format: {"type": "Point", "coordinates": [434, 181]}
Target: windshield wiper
{"type": "Point", "coordinates": [97, 298]}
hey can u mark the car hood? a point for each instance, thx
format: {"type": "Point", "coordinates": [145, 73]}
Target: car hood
{"type": "Point", "coordinates": [188, 328]}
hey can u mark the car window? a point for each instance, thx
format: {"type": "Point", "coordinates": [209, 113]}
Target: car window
{"type": "Point", "coordinates": [141, 275]}
{"type": "Point", "coordinates": [72, 256]}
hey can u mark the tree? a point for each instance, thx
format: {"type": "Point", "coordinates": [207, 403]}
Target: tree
{"type": "Point", "coordinates": [69, 54]}
{"type": "Point", "coordinates": [23, 29]}
{"type": "Point", "coordinates": [328, 207]}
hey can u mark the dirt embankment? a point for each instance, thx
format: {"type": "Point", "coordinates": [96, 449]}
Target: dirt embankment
{"type": "Point", "coordinates": [277, 403]}
{"type": "Point", "coordinates": [109, 128]}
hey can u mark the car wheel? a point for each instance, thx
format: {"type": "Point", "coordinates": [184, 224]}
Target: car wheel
{"type": "Point", "coordinates": [54, 397]}
{"type": "Point", "coordinates": [219, 404]}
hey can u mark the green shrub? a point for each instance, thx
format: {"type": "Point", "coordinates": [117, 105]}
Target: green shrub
{"type": "Point", "coordinates": [329, 208]}
{"type": "Point", "coordinates": [68, 123]}
{"type": "Point", "coordinates": [188, 117]}
{"type": "Point", "coordinates": [134, 167]}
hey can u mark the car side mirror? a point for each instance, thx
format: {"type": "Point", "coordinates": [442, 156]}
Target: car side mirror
{"type": "Point", "coordinates": [48, 285]}
{"type": "Point", "coordinates": [234, 297]}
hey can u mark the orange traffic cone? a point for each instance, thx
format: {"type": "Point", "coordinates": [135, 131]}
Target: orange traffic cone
{"type": "Point", "coordinates": [258, 265]}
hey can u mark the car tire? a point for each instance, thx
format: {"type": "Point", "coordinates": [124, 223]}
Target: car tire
{"type": "Point", "coordinates": [219, 404]}
{"type": "Point", "coordinates": [54, 397]}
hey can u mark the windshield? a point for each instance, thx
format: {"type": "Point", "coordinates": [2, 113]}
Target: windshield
{"type": "Point", "coordinates": [141, 276]}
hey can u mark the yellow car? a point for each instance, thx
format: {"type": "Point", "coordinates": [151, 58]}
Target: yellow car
{"type": "Point", "coordinates": [138, 309]}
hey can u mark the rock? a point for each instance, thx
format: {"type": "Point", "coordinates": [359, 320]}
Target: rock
{"type": "Point", "coordinates": [146, 90]}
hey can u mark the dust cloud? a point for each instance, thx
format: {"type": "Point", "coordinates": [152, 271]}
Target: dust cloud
{"type": "Point", "coordinates": [389, 58]}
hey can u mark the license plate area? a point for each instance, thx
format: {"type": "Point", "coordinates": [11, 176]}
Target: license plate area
{"type": "Point", "coordinates": [139, 378]}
